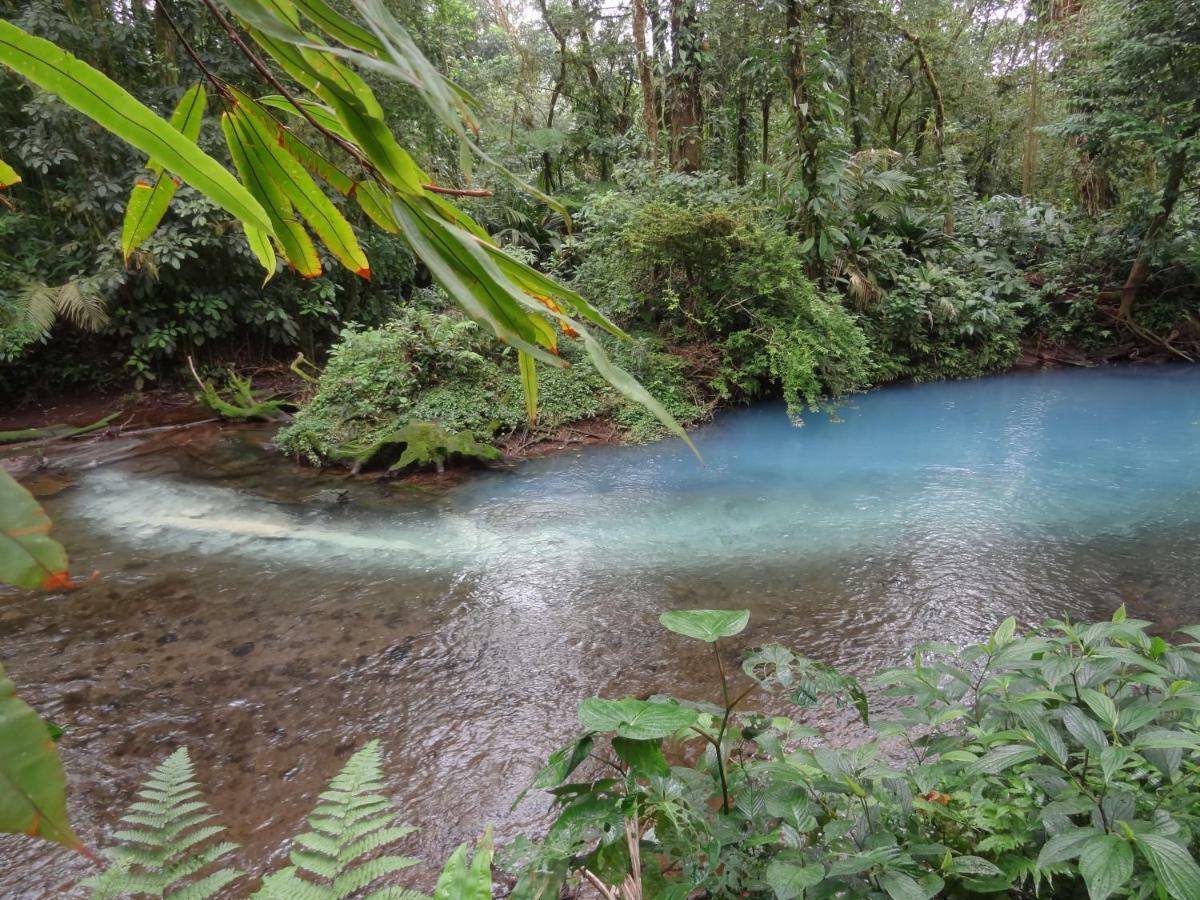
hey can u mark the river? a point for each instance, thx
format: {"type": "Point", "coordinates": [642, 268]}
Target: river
{"type": "Point", "coordinates": [273, 619]}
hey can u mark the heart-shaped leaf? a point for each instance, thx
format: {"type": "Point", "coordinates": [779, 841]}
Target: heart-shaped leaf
{"type": "Point", "coordinates": [707, 625]}
{"type": "Point", "coordinates": [638, 720]}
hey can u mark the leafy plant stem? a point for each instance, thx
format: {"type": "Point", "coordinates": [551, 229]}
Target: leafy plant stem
{"type": "Point", "coordinates": [724, 725]}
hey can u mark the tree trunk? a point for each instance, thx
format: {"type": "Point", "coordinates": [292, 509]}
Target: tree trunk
{"type": "Point", "coordinates": [1029, 159]}
{"type": "Point", "coordinates": [646, 76]}
{"type": "Point", "coordinates": [741, 138]}
{"type": "Point", "coordinates": [766, 137]}
{"type": "Point", "coordinates": [935, 91]}
{"type": "Point", "coordinates": [555, 93]}
{"type": "Point", "coordinates": [1140, 270]}
{"type": "Point", "coordinates": [802, 118]}
{"type": "Point", "coordinates": [687, 110]}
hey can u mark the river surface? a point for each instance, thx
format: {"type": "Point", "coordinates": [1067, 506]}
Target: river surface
{"type": "Point", "coordinates": [248, 610]}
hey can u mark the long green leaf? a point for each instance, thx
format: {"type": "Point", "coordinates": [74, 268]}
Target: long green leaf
{"type": "Point", "coordinates": [293, 240]}
{"type": "Point", "coordinates": [111, 106]}
{"type": "Point", "coordinates": [529, 385]}
{"type": "Point", "coordinates": [149, 202]}
{"type": "Point", "coordinates": [308, 199]}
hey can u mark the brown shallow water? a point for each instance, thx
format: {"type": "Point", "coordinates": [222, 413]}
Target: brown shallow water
{"type": "Point", "coordinates": [272, 657]}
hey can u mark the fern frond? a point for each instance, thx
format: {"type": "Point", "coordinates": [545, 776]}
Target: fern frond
{"type": "Point", "coordinates": [36, 303]}
{"type": "Point", "coordinates": [170, 844]}
{"type": "Point", "coordinates": [81, 303]}
{"type": "Point", "coordinates": [351, 821]}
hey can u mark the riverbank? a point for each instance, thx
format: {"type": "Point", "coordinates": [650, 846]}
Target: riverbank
{"type": "Point", "coordinates": [162, 418]}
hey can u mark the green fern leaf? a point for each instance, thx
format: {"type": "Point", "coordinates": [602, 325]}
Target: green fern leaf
{"type": "Point", "coordinates": [170, 845]}
{"type": "Point", "coordinates": [351, 821]}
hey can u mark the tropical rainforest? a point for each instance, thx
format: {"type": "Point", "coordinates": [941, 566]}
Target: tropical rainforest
{"type": "Point", "coordinates": [407, 234]}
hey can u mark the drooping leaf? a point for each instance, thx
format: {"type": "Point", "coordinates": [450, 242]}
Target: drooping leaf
{"type": "Point", "coordinates": [29, 557]}
{"type": "Point", "coordinates": [529, 385]}
{"type": "Point", "coordinates": [709, 625]}
{"type": "Point", "coordinates": [112, 107]}
{"type": "Point", "coordinates": [639, 720]}
{"type": "Point", "coordinates": [33, 797]}
{"type": "Point", "coordinates": [301, 191]}
{"type": "Point", "coordinates": [293, 241]}
{"type": "Point", "coordinates": [151, 198]}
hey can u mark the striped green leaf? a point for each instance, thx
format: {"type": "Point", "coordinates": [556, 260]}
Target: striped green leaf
{"type": "Point", "coordinates": [291, 238]}
{"type": "Point", "coordinates": [150, 199]}
{"type": "Point", "coordinates": [303, 194]}
{"type": "Point", "coordinates": [529, 385]}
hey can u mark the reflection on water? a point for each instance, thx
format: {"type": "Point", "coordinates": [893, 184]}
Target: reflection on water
{"type": "Point", "coordinates": [272, 624]}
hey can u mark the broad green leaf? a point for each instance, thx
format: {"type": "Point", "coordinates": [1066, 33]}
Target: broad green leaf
{"type": "Point", "coordinates": [789, 880]}
{"type": "Point", "coordinates": [8, 175]}
{"type": "Point", "coordinates": [1064, 846]}
{"type": "Point", "coordinates": [1172, 864]}
{"type": "Point", "coordinates": [639, 720]}
{"type": "Point", "coordinates": [33, 797]}
{"type": "Point", "coordinates": [1102, 705]}
{"type": "Point", "coordinates": [901, 887]}
{"type": "Point", "coordinates": [1106, 864]}
{"type": "Point", "coordinates": [996, 761]}
{"type": "Point", "coordinates": [112, 107]}
{"type": "Point", "coordinates": [1083, 728]}
{"type": "Point", "coordinates": [708, 625]}
{"type": "Point", "coordinates": [460, 881]}
{"type": "Point", "coordinates": [1164, 739]}
{"type": "Point", "coordinates": [529, 385]}
{"type": "Point", "coordinates": [150, 200]}
{"type": "Point", "coordinates": [975, 866]}
{"type": "Point", "coordinates": [29, 557]}
{"type": "Point", "coordinates": [644, 758]}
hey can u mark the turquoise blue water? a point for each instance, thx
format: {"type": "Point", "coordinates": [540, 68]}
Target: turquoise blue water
{"type": "Point", "coordinates": [241, 611]}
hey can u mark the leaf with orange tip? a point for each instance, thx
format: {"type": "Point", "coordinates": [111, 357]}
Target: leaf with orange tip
{"type": "Point", "coordinates": [8, 175]}
{"type": "Point", "coordinates": [33, 794]}
{"type": "Point", "coordinates": [29, 557]}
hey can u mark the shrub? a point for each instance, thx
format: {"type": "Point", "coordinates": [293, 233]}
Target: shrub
{"type": "Point", "coordinates": [433, 369]}
{"type": "Point", "coordinates": [704, 264]}
{"type": "Point", "coordinates": [935, 323]}
{"type": "Point", "coordinates": [1060, 761]}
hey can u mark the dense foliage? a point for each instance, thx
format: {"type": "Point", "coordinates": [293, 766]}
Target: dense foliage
{"type": "Point", "coordinates": [798, 199]}
{"type": "Point", "coordinates": [1022, 766]}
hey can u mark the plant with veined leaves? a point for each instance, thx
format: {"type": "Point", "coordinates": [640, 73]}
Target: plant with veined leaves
{"type": "Point", "coordinates": [1063, 761]}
